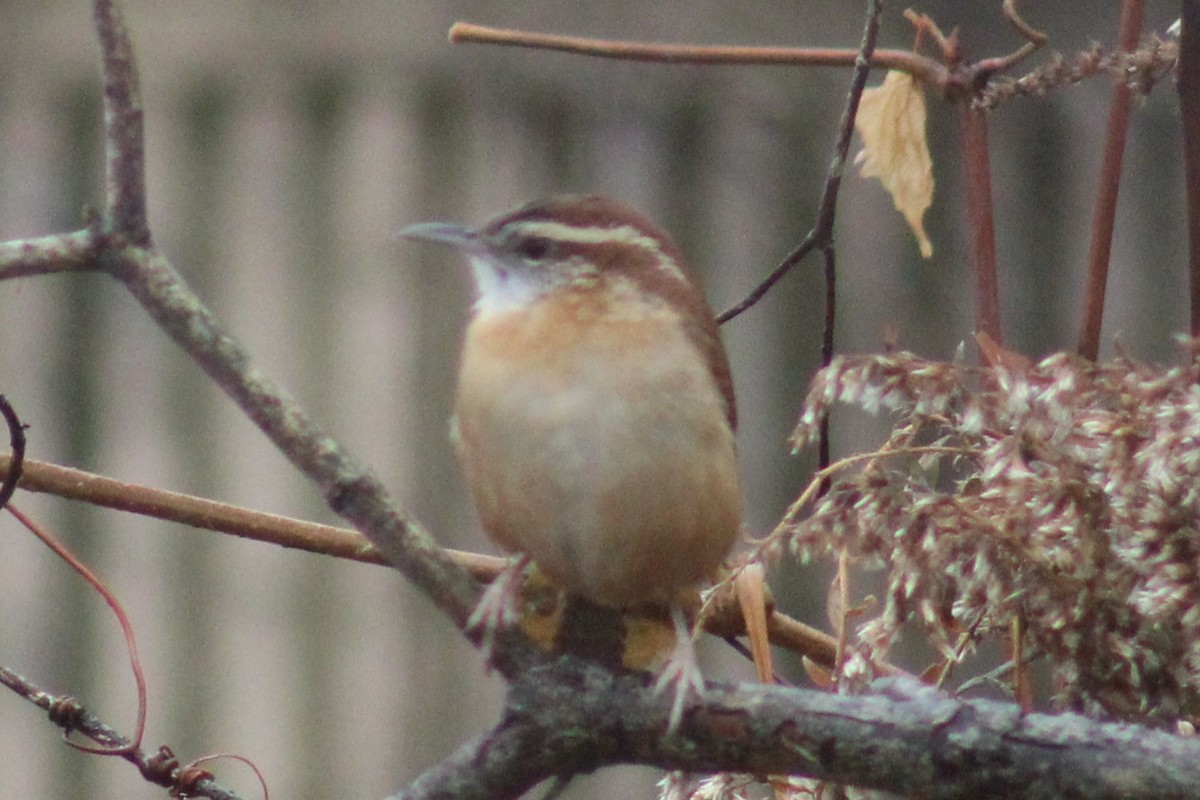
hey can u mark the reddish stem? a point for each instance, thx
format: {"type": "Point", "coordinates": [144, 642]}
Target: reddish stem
{"type": "Point", "coordinates": [1189, 112]}
{"type": "Point", "coordinates": [977, 177]}
{"type": "Point", "coordinates": [1104, 217]}
{"type": "Point", "coordinates": [135, 661]}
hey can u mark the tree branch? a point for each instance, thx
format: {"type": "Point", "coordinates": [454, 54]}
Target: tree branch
{"type": "Point", "coordinates": [905, 738]}
{"type": "Point", "coordinates": [349, 488]}
{"type": "Point", "coordinates": [124, 138]}
{"type": "Point", "coordinates": [47, 255]}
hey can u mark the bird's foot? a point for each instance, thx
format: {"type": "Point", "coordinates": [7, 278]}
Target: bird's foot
{"type": "Point", "coordinates": [681, 670]}
{"type": "Point", "coordinates": [497, 607]}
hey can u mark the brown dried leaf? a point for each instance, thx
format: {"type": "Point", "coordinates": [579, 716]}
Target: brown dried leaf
{"type": "Point", "coordinates": [752, 597]}
{"type": "Point", "coordinates": [891, 122]}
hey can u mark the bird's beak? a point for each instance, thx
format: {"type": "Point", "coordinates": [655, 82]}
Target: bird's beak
{"type": "Point", "coordinates": [439, 233]}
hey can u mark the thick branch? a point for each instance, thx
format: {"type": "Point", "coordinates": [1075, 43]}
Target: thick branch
{"type": "Point", "coordinates": [350, 488]}
{"type": "Point", "coordinates": [907, 739]}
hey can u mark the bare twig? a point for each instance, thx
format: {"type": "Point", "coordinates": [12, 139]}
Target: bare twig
{"type": "Point", "coordinates": [926, 70]}
{"type": "Point", "coordinates": [46, 255]}
{"type": "Point", "coordinates": [1032, 34]}
{"type": "Point", "coordinates": [821, 235]}
{"type": "Point", "coordinates": [1035, 40]}
{"type": "Point", "coordinates": [983, 70]}
{"type": "Point", "coordinates": [1105, 212]}
{"type": "Point", "coordinates": [198, 512]}
{"type": "Point", "coordinates": [349, 488]}
{"type": "Point", "coordinates": [160, 768]}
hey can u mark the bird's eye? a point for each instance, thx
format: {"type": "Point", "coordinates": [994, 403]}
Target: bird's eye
{"type": "Point", "coordinates": [533, 248]}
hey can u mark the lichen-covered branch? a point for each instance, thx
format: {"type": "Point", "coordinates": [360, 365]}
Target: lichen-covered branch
{"type": "Point", "coordinates": [904, 738]}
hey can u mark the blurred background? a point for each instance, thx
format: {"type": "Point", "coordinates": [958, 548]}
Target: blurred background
{"type": "Point", "coordinates": [287, 141]}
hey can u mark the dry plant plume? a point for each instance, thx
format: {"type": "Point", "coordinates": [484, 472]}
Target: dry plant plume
{"type": "Point", "coordinates": [1065, 495]}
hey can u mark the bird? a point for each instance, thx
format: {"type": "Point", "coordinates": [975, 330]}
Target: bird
{"type": "Point", "coordinates": [594, 414]}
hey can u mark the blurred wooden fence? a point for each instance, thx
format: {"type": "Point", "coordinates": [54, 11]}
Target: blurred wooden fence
{"type": "Point", "coordinates": [287, 141]}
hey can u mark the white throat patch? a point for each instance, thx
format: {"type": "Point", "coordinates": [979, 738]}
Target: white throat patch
{"type": "Point", "coordinates": [502, 288]}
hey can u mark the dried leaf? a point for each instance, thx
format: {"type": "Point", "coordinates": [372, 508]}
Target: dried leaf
{"type": "Point", "coordinates": [752, 598]}
{"type": "Point", "coordinates": [891, 122]}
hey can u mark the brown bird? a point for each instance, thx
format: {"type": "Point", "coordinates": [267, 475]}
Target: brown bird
{"type": "Point", "coordinates": [594, 416]}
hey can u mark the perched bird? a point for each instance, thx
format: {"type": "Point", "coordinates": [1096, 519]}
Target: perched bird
{"type": "Point", "coordinates": [594, 416]}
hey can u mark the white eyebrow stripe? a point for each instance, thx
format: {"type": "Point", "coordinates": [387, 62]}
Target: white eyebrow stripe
{"type": "Point", "coordinates": [595, 234]}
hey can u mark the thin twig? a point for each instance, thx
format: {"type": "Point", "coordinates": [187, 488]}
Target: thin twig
{"type": "Point", "coordinates": [47, 255]}
{"type": "Point", "coordinates": [74, 718]}
{"type": "Point", "coordinates": [1105, 212]}
{"type": "Point", "coordinates": [821, 235]}
{"type": "Point", "coordinates": [926, 70]}
{"type": "Point", "coordinates": [749, 301]}
{"type": "Point", "coordinates": [1034, 40]}
{"type": "Point", "coordinates": [828, 333]}
{"type": "Point", "coordinates": [1032, 34]}
{"type": "Point", "coordinates": [199, 512]}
